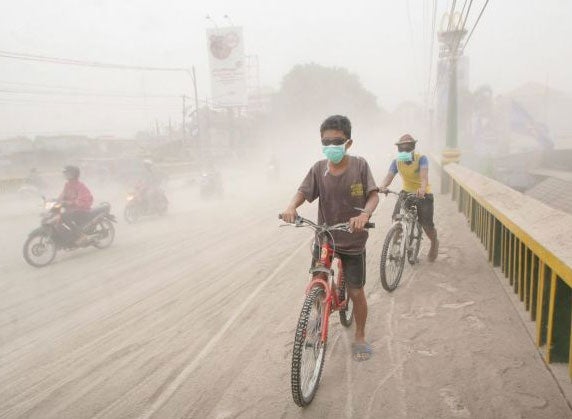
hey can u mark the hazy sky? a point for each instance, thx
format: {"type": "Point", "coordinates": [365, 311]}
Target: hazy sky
{"type": "Point", "coordinates": [387, 43]}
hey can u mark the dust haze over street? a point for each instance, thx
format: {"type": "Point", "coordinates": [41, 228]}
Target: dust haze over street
{"type": "Point", "coordinates": [193, 313]}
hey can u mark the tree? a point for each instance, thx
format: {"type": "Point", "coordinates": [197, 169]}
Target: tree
{"type": "Point", "coordinates": [311, 91]}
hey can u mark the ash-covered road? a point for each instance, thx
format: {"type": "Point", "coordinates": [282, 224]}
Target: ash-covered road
{"type": "Point", "coordinates": [192, 315]}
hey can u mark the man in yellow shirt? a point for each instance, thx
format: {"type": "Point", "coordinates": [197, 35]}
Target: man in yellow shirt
{"type": "Point", "coordinates": [414, 171]}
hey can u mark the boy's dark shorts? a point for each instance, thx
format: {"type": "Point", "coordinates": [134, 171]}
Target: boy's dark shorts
{"type": "Point", "coordinates": [354, 267]}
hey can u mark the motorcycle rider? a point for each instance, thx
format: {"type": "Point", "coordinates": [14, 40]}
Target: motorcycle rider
{"type": "Point", "coordinates": [77, 200]}
{"type": "Point", "coordinates": [34, 179]}
{"type": "Point", "coordinates": [273, 168]}
{"type": "Point", "coordinates": [150, 184]}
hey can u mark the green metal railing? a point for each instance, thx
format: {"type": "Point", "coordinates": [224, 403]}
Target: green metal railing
{"type": "Point", "coordinates": [531, 243]}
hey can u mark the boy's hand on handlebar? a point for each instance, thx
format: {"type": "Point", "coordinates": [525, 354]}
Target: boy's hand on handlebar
{"type": "Point", "coordinates": [290, 215]}
{"type": "Point", "coordinates": [358, 223]}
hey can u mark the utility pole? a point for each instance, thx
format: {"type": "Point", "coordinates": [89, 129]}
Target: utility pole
{"type": "Point", "coordinates": [198, 118]}
{"type": "Point", "coordinates": [183, 120]}
{"type": "Point", "coordinates": [451, 49]}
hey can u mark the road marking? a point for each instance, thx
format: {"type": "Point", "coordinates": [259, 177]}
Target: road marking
{"type": "Point", "coordinates": [183, 375]}
{"type": "Point", "coordinates": [349, 410]}
{"type": "Point", "coordinates": [459, 305]}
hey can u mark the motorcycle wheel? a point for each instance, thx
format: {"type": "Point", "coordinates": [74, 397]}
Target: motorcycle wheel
{"type": "Point", "coordinates": [131, 214]}
{"type": "Point", "coordinates": [105, 232]}
{"type": "Point", "coordinates": [39, 249]}
{"type": "Point", "coordinates": [162, 206]}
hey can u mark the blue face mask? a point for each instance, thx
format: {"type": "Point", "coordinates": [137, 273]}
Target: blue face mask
{"type": "Point", "coordinates": [405, 156]}
{"type": "Point", "coordinates": [334, 153]}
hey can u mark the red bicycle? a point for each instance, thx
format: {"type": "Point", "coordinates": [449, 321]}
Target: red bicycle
{"type": "Point", "coordinates": [326, 293]}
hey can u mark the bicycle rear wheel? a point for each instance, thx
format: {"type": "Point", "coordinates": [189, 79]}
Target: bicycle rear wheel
{"type": "Point", "coordinates": [392, 258]}
{"type": "Point", "coordinates": [347, 314]}
{"type": "Point", "coordinates": [309, 351]}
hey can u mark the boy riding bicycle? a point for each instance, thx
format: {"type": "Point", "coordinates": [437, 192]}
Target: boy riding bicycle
{"type": "Point", "coordinates": [343, 183]}
{"type": "Point", "coordinates": [414, 170]}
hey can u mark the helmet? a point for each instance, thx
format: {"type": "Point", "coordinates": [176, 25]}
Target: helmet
{"type": "Point", "coordinates": [72, 170]}
{"type": "Point", "coordinates": [406, 139]}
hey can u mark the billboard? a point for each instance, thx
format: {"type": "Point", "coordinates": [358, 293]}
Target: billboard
{"type": "Point", "coordinates": [227, 66]}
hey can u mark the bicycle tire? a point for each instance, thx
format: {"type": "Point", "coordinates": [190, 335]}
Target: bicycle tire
{"type": "Point", "coordinates": [346, 315]}
{"type": "Point", "coordinates": [386, 283]}
{"type": "Point", "coordinates": [304, 396]}
{"type": "Point", "coordinates": [413, 258]}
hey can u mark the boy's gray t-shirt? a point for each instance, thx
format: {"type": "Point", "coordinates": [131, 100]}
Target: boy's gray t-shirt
{"type": "Point", "coordinates": [338, 196]}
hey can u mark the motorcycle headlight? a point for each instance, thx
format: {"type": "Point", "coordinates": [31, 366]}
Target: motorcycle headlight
{"type": "Point", "coordinates": [130, 197]}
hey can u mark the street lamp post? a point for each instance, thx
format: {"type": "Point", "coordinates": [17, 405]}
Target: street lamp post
{"type": "Point", "coordinates": [193, 76]}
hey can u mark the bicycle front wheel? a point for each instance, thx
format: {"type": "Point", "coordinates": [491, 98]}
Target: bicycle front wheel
{"type": "Point", "coordinates": [309, 350]}
{"type": "Point", "coordinates": [392, 258]}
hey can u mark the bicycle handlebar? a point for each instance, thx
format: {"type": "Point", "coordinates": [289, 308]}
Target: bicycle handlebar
{"type": "Point", "coordinates": [408, 194]}
{"type": "Point", "coordinates": [301, 222]}
{"type": "Point", "coordinates": [388, 191]}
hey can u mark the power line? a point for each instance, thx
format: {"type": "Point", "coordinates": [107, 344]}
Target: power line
{"type": "Point", "coordinates": [68, 61]}
{"type": "Point", "coordinates": [80, 93]}
{"type": "Point", "coordinates": [432, 45]}
{"type": "Point", "coordinates": [453, 4]}
{"type": "Point", "coordinates": [461, 30]}
{"type": "Point", "coordinates": [72, 89]}
{"type": "Point", "coordinates": [463, 8]}
{"type": "Point", "coordinates": [88, 105]}
{"type": "Point", "coordinates": [16, 100]}
{"type": "Point", "coordinates": [413, 49]}
{"type": "Point", "coordinates": [463, 24]}
{"type": "Point", "coordinates": [475, 25]}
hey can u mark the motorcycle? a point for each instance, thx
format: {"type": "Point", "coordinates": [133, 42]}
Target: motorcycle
{"type": "Point", "coordinates": [272, 172]}
{"type": "Point", "coordinates": [53, 235]}
{"type": "Point", "coordinates": [211, 184]}
{"type": "Point", "coordinates": [139, 205]}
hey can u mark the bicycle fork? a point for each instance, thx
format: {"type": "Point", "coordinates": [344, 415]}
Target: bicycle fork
{"type": "Point", "coordinates": [320, 282]}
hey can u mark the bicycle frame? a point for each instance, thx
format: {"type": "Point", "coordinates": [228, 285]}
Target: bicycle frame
{"type": "Point", "coordinates": [321, 270]}
{"type": "Point", "coordinates": [407, 217]}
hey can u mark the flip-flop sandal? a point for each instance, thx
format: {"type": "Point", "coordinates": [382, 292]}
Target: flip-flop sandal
{"type": "Point", "coordinates": [361, 351]}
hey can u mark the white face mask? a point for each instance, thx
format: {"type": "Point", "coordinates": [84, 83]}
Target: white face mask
{"type": "Point", "coordinates": [405, 156]}
{"type": "Point", "coordinates": [334, 153]}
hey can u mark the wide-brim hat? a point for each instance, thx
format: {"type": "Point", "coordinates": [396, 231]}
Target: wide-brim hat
{"type": "Point", "coordinates": [406, 139]}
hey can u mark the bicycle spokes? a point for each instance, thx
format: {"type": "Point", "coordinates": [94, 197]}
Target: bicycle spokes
{"type": "Point", "coordinates": [392, 257]}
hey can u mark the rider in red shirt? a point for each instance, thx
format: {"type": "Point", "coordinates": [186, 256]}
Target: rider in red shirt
{"type": "Point", "coordinates": [77, 200]}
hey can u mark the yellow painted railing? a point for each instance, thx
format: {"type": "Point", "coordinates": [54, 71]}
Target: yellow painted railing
{"type": "Point", "coordinates": [531, 243]}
